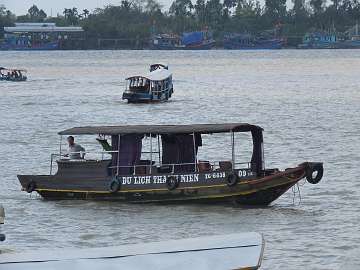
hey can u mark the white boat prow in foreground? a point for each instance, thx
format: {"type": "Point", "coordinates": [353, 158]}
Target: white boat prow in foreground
{"type": "Point", "coordinates": [223, 252]}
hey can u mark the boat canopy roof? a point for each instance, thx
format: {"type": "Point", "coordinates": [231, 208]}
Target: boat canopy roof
{"type": "Point", "coordinates": [158, 65]}
{"type": "Point", "coordinates": [156, 75]}
{"type": "Point", "coordinates": [161, 129]}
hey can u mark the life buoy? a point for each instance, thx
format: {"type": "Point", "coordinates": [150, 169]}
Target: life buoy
{"type": "Point", "coordinates": [232, 179]}
{"type": "Point", "coordinates": [319, 169]}
{"type": "Point", "coordinates": [172, 182]}
{"type": "Point", "coordinates": [31, 186]}
{"type": "Point", "coordinates": [114, 185]}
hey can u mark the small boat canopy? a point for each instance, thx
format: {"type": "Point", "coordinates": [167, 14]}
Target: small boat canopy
{"type": "Point", "coordinates": [156, 75]}
{"type": "Point", "coordinates": [161, 129]}
{"type": "Point", "coordinates": [158, 66]}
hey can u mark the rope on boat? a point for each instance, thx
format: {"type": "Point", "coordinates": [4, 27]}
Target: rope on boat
{"type": "Point", "coordinates": [296, 191]}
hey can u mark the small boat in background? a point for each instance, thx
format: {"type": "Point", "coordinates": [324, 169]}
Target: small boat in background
{"type": "Point", "coordinates": [155, 86]}
{"type": "Point", "coordinates": [319, 40]}
{"type": "Point", "coordinates": [234, 41]}
{"type": "Point", "coordinates": [166, 42]}
{"type": "Point", "coordinates": [199, 40]}
{"type": "Point", "coordinates": [13, 75]}
{"type": "Point", "coordinates": [220, 252]}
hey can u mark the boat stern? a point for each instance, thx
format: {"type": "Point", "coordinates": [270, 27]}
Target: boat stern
{"type": "Point", "coordinates": [30, 183]}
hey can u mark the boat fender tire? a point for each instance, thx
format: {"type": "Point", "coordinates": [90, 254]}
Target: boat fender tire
{"type": "Point", "coordinates": [232, 179]}
{"type": "Point", "coordinates": [319, 169]}
{"type": "Point", "coordinates": [172, 182]}
{"type": "Point", "coordinates": [31, 186]}
{"type": "Point", "coordinates": [114, 185]}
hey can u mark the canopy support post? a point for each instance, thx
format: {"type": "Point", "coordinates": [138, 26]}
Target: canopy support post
{"type": "Point", "coordinates": [158, 139]}
{"type": "Point", "coordinates": [195, 155]}
{"type": "Point", "coordinates": [233, 149]}
{"type": "Point", "coordinates": [118, 157]}
{"type": "Point", "coordinates": [151, 154]}
{"type": "Point", "coordinates": [60, 146]}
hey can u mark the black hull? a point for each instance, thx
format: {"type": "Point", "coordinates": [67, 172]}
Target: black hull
{"type": "Point", "coordinates": [248, 191]}
{"type": "Point", "coordinates": [260, 198]}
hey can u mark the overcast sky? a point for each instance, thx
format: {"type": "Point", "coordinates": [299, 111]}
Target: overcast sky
{"type": "Point", "coordinates": [20, 7]}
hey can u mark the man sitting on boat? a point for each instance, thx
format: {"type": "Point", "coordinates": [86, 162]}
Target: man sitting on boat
{"type": "Point", "coordinates": [75, 149]}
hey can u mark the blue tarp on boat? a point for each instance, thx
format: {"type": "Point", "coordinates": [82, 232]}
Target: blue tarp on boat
{"type": "Point", "coordinates": [192, 38]}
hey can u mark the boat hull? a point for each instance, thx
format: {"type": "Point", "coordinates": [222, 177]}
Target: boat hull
{"type": "Point", "coordinates": [193, 188]}
{"type": "Point", "coordinates": [42, 47]}
{"type": "Point", "coordinates": [269, 45]}
{"type": "Point", "coordinates": [22, 79]}
{"type": "Point", "coordinates": [145, 97]}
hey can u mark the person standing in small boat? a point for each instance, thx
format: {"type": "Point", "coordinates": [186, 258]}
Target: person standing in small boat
{"type": "Point", "coordinates": [75, 149]}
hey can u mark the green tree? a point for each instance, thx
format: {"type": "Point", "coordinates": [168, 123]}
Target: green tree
{"type": "Point", "coordinates": [275, 10]}
{"type": "Point", "coordinates": [85, 13]}
{"type": "Point", "coordinates": [181, 8]}
{"type": "Point", "coordinates": [6, 19]}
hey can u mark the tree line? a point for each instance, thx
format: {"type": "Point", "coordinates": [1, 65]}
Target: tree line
{"type": "Point", "coordinates": [138, 19]}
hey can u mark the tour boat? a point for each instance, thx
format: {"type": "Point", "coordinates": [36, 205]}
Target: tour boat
{"type": "Point", "coordinates": [169, 163]}
{"type": "Point", "coordinates": [155, 86]}
{"type": "Point", "coordinates": [14, 75]}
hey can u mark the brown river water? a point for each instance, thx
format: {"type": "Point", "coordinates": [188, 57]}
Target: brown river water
{"type": "Point", "coordinates": [308, 103]}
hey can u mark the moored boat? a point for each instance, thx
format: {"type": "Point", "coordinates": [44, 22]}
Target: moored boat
{"type": "Point", "coordinates": [155, 86]}
{"type": "Point", "coordinates": [160, 163]}
{"type": "Point", "coordinates": [13, 75]}
{"type": "Point", "coordinates": [166, 42]}
{"type": "Point", "coordinates": [199, 40]}
{"type": "Point", "coordinates": [319, 40]}
{"type": "Point", "coordinates": [234, 41]}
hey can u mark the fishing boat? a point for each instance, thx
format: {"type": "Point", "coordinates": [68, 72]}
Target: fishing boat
{"type": "Point", "coordinates": [14, 75]}
{"type": "Point", "coordinates": [160, 163]}
{"type": "Point", "coordinates": [319, 40]}
{"type": "Point", "coordinates": [166, 42]}
{"type": "Point", "coordinates": [155, 86]}
{"type": "Point", "coordinates": [234, 41]}
{"type": "Point", "coordinates": [199, 40]}
{"type": "Point", "coordinates": [241, 251]}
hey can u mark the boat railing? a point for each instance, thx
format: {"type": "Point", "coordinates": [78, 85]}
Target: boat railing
{"type": "Point", "coordinates": [190, 167]}
{"type": "Point", "coordinates": [153, 91]}
{"type": "Point", "coordinates": [62, 156]}
{"type": "Point", "coordinates": [198, 166]}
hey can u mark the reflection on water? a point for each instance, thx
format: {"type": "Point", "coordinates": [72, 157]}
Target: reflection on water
{"type": "Point", "coordinates": [307, 101]}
